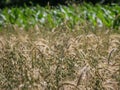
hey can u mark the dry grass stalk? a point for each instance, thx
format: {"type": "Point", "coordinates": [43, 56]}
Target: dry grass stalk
{"type": "Point", "coordinates": [87, 61]}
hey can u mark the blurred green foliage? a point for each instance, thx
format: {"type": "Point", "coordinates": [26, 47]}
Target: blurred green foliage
{"type": "Point", "coordinates": [96, 15]}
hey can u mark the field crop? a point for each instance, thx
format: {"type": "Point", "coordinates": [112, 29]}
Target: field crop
{"type": "Point", "coordinates": [60, 48]}
{"type": "Point", "coordinates": [59, 60]}
{"type": "Point", "coordinates": [52, 17]}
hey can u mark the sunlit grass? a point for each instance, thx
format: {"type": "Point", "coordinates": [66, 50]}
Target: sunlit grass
{"type": "Point", "coordinates": [40, 59]}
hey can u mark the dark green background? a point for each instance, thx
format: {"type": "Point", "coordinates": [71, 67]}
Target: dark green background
{"type": "Point", "coordinates": [6, 3]}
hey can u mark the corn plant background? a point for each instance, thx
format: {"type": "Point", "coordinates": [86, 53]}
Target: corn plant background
{"type": "Point", "coordinates": [52, 17]}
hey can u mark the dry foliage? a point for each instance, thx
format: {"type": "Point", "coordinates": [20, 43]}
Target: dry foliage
{"type": "Point", "coordinates": [59, 60]}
